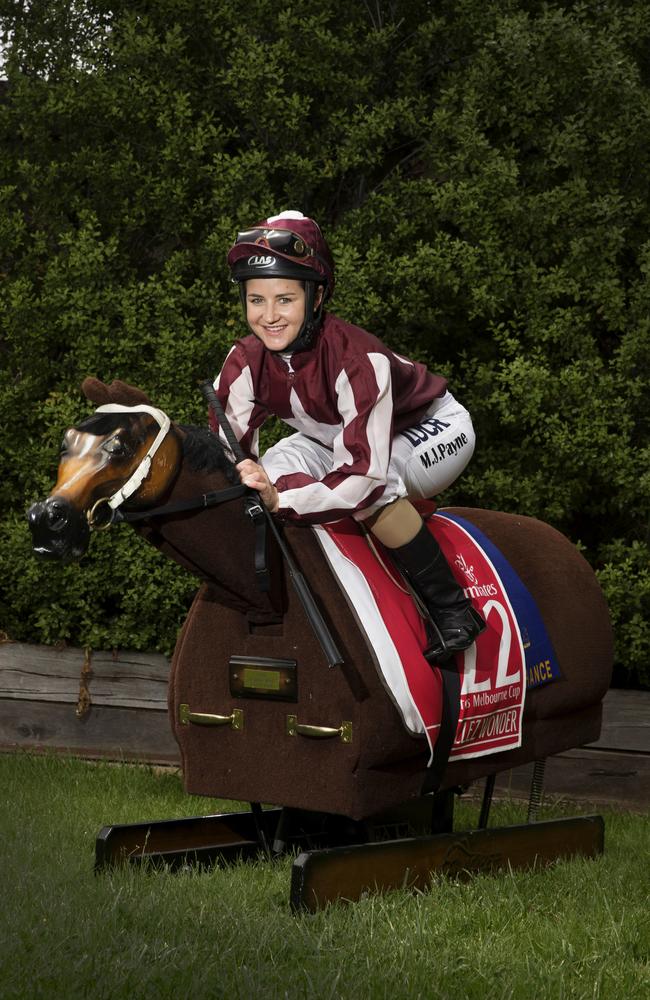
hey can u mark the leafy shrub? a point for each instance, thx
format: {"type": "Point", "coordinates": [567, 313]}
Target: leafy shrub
{"type": "Point", "coordinates": [482, 172]}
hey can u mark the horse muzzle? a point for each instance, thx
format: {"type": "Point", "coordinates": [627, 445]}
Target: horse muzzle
{"type": "Point", "coordinates": [59, 530]}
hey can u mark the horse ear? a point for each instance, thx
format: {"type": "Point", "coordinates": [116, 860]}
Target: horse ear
{"type": "Point", "coordinates": [117, 392]}
{"type": "Point", "coordinates": [126, 395]}
{"type": "Point", "coordinates": [95, 391]}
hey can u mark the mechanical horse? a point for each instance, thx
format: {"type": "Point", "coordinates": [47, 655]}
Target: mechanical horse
{"type": "Point", "coordinates": [260, 716]}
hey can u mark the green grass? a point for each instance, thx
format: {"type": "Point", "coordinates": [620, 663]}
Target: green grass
{"type": "Point", "coordinates": [578, 930]}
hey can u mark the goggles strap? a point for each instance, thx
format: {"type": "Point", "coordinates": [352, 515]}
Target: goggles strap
{"type": "Point", "coordinates": [137, 478]}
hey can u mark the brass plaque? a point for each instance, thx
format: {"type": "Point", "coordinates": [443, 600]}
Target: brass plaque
{"type": "Point", "coordinates": [263, 677]}
{"type": "Point", "coordinates": [263, 680]}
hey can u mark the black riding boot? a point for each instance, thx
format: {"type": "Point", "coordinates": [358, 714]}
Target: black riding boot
{"type": "Point", "coordinates": [426, 569]}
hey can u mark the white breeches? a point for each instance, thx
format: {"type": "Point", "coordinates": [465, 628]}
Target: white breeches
{"type": "Point", "coordinates": [425, 459]}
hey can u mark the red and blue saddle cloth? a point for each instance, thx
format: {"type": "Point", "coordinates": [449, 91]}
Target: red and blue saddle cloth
{"type": "Point", "coordinates": [513, 653]}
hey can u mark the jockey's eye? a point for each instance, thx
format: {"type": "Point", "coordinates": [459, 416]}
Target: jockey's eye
{"type": "Point", "coordinates": [116, 446]}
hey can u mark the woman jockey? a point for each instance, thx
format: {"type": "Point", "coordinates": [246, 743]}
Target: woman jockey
{"type": "Point", "coordinates": [373, 430]}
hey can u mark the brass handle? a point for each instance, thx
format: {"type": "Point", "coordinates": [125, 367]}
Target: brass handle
{"type": "Point", "coordinates": [235, 720]}
{"type": "Point", "coordinates": [295, 728]}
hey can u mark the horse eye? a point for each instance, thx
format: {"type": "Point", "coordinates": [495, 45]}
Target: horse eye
{"type": "Point", "coordinates": [115, 447]}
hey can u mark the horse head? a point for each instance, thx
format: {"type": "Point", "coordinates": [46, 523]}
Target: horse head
{"type": "Point", "coordinates": [127, 451]}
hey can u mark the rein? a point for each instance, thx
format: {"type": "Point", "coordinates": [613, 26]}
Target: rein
{"type": "Point", "coordinates": [196, 503]}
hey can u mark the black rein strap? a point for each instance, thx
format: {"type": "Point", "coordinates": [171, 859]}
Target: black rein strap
{"type": "Point", "coordinates": [213, 500]}
{"type": "Point", "coordinates": [196, 503]}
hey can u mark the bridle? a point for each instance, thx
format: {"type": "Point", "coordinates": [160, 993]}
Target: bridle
{"type": "Point", "coordinates": [141, 472]}
{"type": "Point", "coordinates": [136, 479]}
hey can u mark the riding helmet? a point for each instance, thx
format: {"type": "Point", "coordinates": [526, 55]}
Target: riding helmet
{"type": "Point", "coordinates": [289, 245]}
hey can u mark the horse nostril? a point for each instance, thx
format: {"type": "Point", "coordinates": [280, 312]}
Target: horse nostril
{"type": "Point", "coordinates": [57, 516]}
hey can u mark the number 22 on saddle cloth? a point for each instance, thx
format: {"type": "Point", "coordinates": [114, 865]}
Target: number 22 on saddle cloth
{"type": "Point", "coordinates": [493, 672]}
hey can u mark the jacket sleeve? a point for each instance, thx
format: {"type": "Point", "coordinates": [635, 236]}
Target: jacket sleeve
{"type": "Point", "coordinates": [361, 449]}
{"type": "Point", "coordinates": [235, 391]}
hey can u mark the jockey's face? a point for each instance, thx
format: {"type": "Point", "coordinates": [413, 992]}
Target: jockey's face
{"type": "Point", "coordinates": [275, 310]}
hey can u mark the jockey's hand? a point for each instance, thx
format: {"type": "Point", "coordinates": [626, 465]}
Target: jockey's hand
{"type": "Point", "coordinates": [253, 475]}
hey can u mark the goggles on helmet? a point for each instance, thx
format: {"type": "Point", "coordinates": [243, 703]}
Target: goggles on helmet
{"type": "Point", "coordinates": [281, 240]}
{"type": "Point", "coordinates": [300, 253]}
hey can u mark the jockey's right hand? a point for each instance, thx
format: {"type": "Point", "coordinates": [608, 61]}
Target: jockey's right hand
{"type": "Point", "coordinates": [253, 475]}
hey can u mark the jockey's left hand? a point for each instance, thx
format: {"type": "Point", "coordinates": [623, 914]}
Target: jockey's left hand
{"type": "Point", "coordinates": [253, 475]}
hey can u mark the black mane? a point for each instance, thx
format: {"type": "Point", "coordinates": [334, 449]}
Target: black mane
{"type": "Point", "coordinates": [201, 448]}
{"type": "Point", "coordinates": [204, 452]}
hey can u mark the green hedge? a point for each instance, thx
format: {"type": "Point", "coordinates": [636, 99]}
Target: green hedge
{"type": "Point", "coordinates": [482, 171]}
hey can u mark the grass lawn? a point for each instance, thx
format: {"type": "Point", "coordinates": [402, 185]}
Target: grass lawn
{"type": "Point", "coordinates": [577, 931]}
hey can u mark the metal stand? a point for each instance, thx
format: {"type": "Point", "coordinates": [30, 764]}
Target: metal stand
{"type": "Point", "coordinates": [487, 801]}
{"type": "Point", "coordinates": [536, 791]}
{"type": "Point", "coordinates": [343, 859]}
{"type": "Point", "coordinates": [348, 873]}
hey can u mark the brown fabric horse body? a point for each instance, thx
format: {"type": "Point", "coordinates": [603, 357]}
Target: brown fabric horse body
{"type": "Point", "coordinates": [266, 750]}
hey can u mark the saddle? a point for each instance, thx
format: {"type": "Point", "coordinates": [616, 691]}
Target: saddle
{"type": "Point", "coordinates": [491, 676]}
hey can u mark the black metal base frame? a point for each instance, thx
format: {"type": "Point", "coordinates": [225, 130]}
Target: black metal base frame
{"type": "Point", "coordinates": [343, 859]}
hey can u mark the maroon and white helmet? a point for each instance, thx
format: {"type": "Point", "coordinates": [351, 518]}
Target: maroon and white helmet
{"type": "Point", "coordinates": [289, 245]}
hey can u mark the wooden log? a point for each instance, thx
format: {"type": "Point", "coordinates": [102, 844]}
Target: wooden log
{"type": "Point", "coordinates": [583, 775]}
{"type": "Point", "coordinates": [626, 722]}
{"type": "Point", "coordinates": [615, 770]}
{"type": "Point", "coordinates": [123, 714]}
{"type": "Point", "coordinates": [110, 733]}
{"type": "Point", "coordinates": [121, 679]}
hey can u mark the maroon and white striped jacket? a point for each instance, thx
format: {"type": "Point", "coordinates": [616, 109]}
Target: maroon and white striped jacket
{"type": "Point", "coordinates": [349, 392]}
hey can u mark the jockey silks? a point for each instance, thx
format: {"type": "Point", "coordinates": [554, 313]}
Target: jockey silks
{"type": "Point", "coordinates": [350, 393]}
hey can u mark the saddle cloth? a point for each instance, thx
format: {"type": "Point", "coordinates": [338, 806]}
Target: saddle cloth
{"type": "Point", "coordinates": [492, 670]}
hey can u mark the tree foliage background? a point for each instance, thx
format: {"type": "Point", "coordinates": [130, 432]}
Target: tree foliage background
{"type": "Point", "coordinates": [481, 169]}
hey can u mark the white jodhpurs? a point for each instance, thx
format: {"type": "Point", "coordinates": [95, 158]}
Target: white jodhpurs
{"type": "Point", "coordinates": [430, 456]}
{"type": "Point", "coordinates": [425, 459]}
